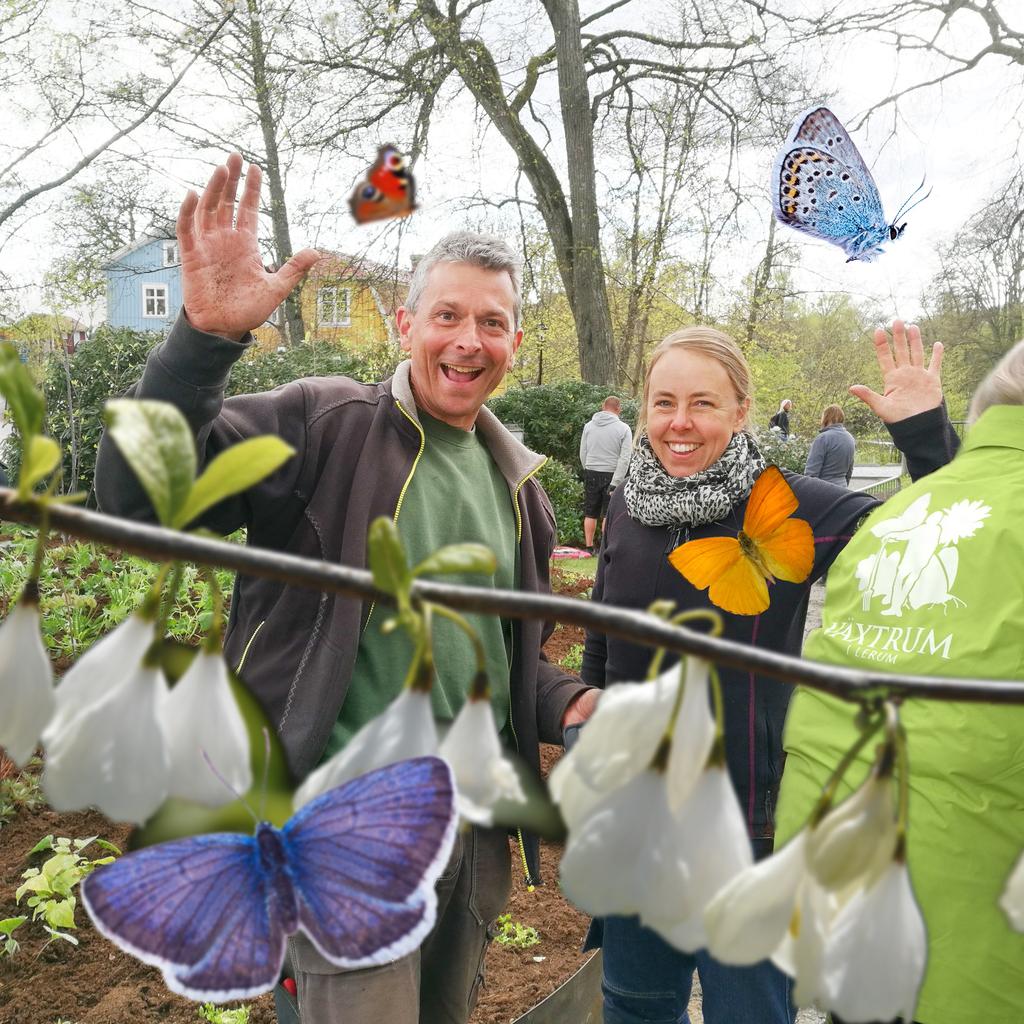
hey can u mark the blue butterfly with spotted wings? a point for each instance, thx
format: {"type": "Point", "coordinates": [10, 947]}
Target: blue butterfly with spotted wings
{"type": "Point", "coordinates": [354, 869]}
{"type": "Point", "coordinates": [821, 186]}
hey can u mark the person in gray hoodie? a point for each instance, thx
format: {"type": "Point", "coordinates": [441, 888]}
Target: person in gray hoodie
{"type": "Point", "coordinates": [605, 448]}
{"type": "Point", "coordinates": [831, 454]}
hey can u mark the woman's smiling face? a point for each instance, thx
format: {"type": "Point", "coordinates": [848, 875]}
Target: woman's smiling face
{"type": "Point", "coordinates": [692, 411]}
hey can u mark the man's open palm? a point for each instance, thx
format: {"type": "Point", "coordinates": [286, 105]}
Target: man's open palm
{"type": "Point", "coordinates": [225, 287]}
{"type": "Point", "coordinates": [908, 387]}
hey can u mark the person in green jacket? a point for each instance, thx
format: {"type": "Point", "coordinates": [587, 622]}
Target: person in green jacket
{"type": "Point", "coordinates": [933, 584]}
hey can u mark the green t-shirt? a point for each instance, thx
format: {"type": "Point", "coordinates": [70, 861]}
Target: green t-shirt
{"type": "Point", "coordinates": [933, 583]}
{"type": "Point", "coordinates": [456, 495]}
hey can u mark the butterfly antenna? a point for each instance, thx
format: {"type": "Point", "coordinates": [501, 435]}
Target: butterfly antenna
{"type": "Point", "coordinates": [266, 771]}
{"type": "Point", "coordinates": [227, 785]}
{"type": "Point", "coordinates": [905, 209]}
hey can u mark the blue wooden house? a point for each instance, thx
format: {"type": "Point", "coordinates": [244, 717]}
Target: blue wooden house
{"type": "Point", "coordinates": [144, 283]}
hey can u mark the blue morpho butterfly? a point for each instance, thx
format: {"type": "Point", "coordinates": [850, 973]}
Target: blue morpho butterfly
{"type": "Point", "coordinates": [820, 185]}
{"type": "Point", "coordinates": [354, 869]}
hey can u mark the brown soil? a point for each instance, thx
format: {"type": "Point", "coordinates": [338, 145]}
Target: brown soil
{"type": "Point", "coordinates": [95, 983]}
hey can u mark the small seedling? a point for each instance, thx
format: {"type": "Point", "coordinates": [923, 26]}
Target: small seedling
{"type": "Point", "coordinates": [50, 888]}
{"type": "Point", "coordinates": [9, 945]}
{"type": "Point", "coordinates": [512, 933]}
{"type": "Point", "coordinates": [221, 1015]}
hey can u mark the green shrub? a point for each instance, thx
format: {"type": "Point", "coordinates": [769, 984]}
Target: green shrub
{"type": "Point", "coordinates": [791, 454]}
{"type": "Point", "coordinates": [566, 494]}
{"type": "Point", "coordinates": [553, 416]}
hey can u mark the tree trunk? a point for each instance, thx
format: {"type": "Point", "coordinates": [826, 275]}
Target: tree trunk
{"type": "Point", "coordinates": [579, 260]}
{"type": "Point", "coordinates": [590, 308]}
{"type": "Point", "coordinates": [294, 328]}
{"type": "Point", "coordinates": [762, 279]}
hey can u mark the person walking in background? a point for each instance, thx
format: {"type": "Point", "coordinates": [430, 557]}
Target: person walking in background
{"type": "Point", "coordinates": [604, 454]}
{"type": "Point", "coordinates": [831, 454]}
{"type": "Point", "coordinates": [780, 421]}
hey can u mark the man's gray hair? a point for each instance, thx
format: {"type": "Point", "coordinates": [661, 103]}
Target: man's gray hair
{"type": "Point", "coordinates": [1004, 384]}
{"type": "Point", "coordinates": [485, 251]}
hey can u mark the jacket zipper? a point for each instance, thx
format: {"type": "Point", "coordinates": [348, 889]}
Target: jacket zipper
{"type": "Point", "coordinates": [530, 884]}
{"type": "Point", "coordinates": [405, 487]}
{"type": "Point", "coordinates": [245, 653]}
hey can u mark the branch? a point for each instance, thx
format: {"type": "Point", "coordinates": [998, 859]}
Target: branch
{"type": "Point", "coordinates": [10, 210]}
{"type": "Point", "coordinates": [159, 544]}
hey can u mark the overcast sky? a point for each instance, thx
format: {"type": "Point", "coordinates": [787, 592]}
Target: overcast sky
{"type": "Point", "coordinates": [962, 137]}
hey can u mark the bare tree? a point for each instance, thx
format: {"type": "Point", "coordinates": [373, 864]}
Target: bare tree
{"type": "Point", "coordinates": [59, 83]}
{"type": "Point", "coordinates": [547, 73]}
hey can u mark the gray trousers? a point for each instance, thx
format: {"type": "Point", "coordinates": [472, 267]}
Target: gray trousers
{"type": "Point", "coordinates": [437, 983]}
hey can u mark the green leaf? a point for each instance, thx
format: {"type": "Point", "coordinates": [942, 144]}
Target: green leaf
{"type": "Point", "coordinates": [8, 925]}
{"type": "Point", "coordinates": [16, 385]}
{"type": "Point", "coordinates": [388, 562]}
{"type": "Point", "coordinates": [39, 462]}
{"type": "Point", "coordinates": [61, 935]}
{"type": "Point", "coordinates": [155, 440]}
{"type": "Point", "coordinates": [233, 471]}
{"type": "Point", "coordinates": [61, 914]}
{"type": "Point", "coordinates": [46, 843]}
{"type": "Point", "coordinates": [458, 558]}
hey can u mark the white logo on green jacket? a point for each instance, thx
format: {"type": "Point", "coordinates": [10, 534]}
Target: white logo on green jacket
{"type": "Point", "coordinates": [917, 560]}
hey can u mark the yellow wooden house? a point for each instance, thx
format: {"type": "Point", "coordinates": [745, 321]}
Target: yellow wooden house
{"type": "Point", "coordinates": [346, 300]}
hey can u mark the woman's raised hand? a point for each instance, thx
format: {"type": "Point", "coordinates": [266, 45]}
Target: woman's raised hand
{"type": "Point", "coordinates": [908, 386]}
{"type": "Point", "coordinates": [225, 287]}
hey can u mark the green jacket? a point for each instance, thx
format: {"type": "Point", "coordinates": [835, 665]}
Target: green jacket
{"type": "Point", "coordinates": [933, 584]}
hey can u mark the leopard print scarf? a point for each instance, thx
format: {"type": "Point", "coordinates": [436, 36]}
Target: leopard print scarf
{"type": "Point", "coordinates": [657, 499]}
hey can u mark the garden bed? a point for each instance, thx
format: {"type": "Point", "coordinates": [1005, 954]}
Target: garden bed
{"type": "Point", "coordinates": [95, 983]}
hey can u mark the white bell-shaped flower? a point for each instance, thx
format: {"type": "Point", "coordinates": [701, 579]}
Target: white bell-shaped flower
{"type": "Point", "coordinates": [1012, 900]}
{"type": "Point", "coordinates": [715, 847]}
{"type": "Point", "coordinates": [27, 700]}
{"type": "Point", "coordinates": [802, 950]}
{"type": "Point", "coordinates": [201, 716]}
{"type": "Point", "coordinates": [749, 917]}
{"type": "Point", "coordinates": [98, 671]}
{"type": "Point", "coordinates": [857, 838]}
{"type": "Point", "coordinates": [404, 729]}
{"type": "Point", "coordinates": [876, 951]}
{"type": "Point", "coordinates": [483, 774]}
{"type": "Point", "coordinates": [626, 857]}
{"type": "Point", "coordinates": [616, 744]}
{"type": "Point", "coordinates": [112, 754]}
{"type": "Point", "coordinates": [693, 735]}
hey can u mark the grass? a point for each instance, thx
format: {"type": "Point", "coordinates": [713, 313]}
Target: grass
{"type": "Point", "coordinates": [577, 567]}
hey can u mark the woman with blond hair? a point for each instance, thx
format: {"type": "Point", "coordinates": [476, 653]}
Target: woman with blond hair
{"type": "Point", "coordinates": [691, 473]}
{"type": "Point", "coordinates": [831, 454]}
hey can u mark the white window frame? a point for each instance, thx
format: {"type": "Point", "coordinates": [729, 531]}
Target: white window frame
{"type": "Point", "coordinates": [331, 309]}
{"type": "Point", "coordinates": [169, 249]}
{"type": "Point", "coordinates": [159, 294]}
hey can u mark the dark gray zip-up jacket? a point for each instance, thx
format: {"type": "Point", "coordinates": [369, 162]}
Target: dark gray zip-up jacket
{"type": "Point", "coordinates": [633, 571]}
{"type": "Point", "coordinates": [831, 455]}
{"type": "Point", "coordinates": [356, 446]}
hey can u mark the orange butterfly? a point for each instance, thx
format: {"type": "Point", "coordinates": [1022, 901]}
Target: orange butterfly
{"type": "Point", "coordinates": [388, 190]}
{"type": "Point", "coordinates": [770, 545]}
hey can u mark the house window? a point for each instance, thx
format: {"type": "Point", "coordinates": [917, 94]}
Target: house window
{"type": "Point", "coordinates": [170, 250]}
{"type": "Point", "coordinates": [154, 300]}
{"type": "Point", "coordinates": [333, 306]}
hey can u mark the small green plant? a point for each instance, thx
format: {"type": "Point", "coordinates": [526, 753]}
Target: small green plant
{"type": "Point", "coordinates": [221, 1015]}
{"type": "Point", "coordinates": [9, 945]}
{"type": "Point", "coordinates": [21, 790]}
{"type": "Point", "coordinates": [512, 933]}
{"type": "Point", "coordinates": [573, 659]}
{"type": "Point", "coordinates": [50, 888]}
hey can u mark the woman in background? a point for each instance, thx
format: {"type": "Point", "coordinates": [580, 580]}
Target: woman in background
{"type": "Point", "coordinates": [831, 454]}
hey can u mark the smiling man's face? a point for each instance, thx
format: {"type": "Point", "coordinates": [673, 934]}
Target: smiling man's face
{"type": "Point", "coordinates": [461, 339]}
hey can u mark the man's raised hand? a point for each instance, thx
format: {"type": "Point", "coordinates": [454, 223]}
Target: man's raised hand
{"type": "Point", "coordinates": [908, 387]}
{"type": "Point", "coordinates": [225, 288]}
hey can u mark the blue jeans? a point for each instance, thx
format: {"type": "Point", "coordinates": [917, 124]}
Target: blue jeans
{"type": "Point", "coordinates": [646, 980]}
